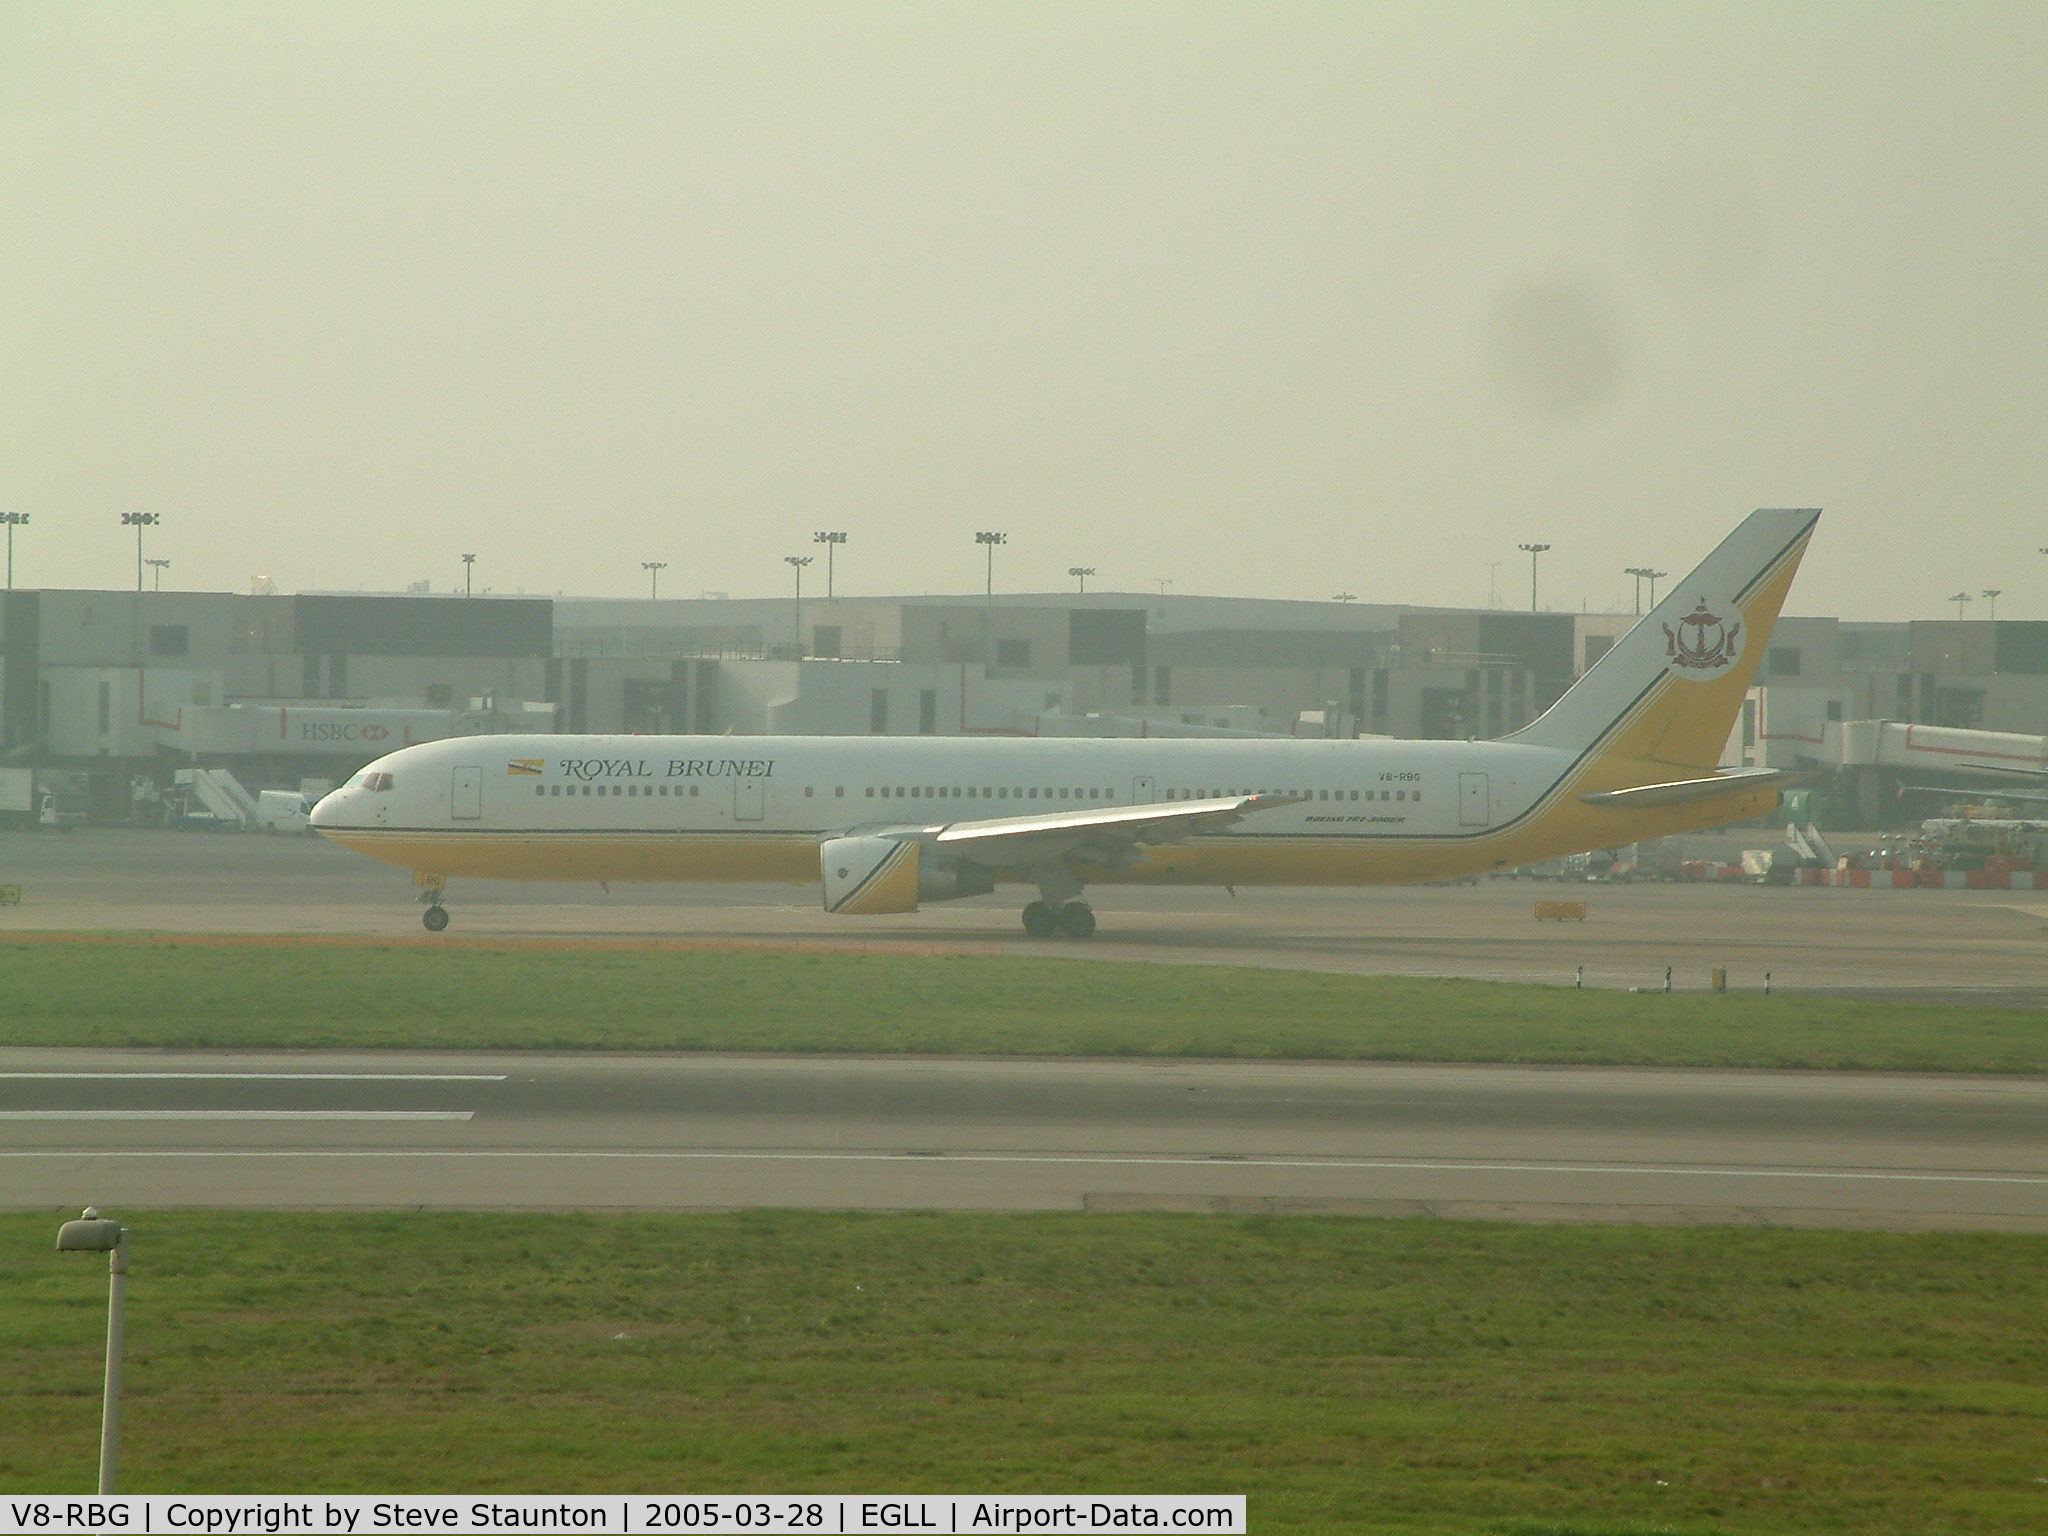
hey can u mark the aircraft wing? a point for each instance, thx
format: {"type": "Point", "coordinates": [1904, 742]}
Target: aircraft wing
{"type": "Point", "coordinates": [1111, 834]}
{"type": "Point", "coordinates": [1680, 791]}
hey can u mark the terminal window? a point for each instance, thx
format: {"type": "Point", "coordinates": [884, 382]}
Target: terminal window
{"type": "Point", "coordinates": [169, 640]}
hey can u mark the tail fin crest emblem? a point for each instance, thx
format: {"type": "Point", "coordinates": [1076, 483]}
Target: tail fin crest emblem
{"type": "Point", "coordinates": [1704, 642]}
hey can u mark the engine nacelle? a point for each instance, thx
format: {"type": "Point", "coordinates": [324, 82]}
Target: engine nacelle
{"type": "Point", "coordinates": [868, 875]}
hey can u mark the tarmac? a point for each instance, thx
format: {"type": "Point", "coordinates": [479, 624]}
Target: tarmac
{"type": "Point", "coordinates": [525, 1131]}
{"type": "Point", "coordinates": [1971, 946]}
{"type": "Point", "coordinates": [405, 1129]}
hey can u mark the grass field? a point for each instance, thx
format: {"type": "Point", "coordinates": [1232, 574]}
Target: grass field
{"type": "Point", "coordinates": [1372, 1376]}
{"type": "Point", "coordinates": [192, 993]}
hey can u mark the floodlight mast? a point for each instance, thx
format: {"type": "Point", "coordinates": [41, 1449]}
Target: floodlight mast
{"type": "Point", "coordinates": [94, 1233]}
{"type": "Point", "coordinates": [12, 520]}
{"type": "Point", "coordinates": [1532, 550]}
{"type": "Point", "coordinates": [139, 521]}
{"type": "Point", "coordinates": [831, 538]}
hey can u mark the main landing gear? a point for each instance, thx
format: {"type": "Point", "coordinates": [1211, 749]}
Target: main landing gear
{"type": "Point", "coordinates": [1071, 919]}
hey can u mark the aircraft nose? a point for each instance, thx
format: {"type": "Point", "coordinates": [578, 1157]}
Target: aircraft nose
{"type": "Point", "coordinates": [328, 811]}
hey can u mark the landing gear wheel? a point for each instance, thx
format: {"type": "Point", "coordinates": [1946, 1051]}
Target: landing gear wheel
{"type": "Point", "coordinates": [1040, 920]}
{"type": "Point", "coordinates": [1077, 920]}
{"type": "Point", "coordinates": [435, 919]}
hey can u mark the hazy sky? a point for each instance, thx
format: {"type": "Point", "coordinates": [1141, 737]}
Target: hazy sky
{"type": "Point", "coordinates": [1272, 299]}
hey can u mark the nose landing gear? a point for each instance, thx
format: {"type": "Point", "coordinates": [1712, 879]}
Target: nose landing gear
{"type": "Point", "coordinates": [432, 887]}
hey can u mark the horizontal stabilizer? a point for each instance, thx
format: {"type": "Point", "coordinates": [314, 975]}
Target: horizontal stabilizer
{"type": "Point", "coordinates": [1684, 791]}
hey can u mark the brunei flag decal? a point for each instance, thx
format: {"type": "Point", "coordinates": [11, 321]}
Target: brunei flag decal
{"type": "Point", "coordinates": [526, 767]}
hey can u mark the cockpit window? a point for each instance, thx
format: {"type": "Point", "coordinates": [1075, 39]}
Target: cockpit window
{"type": "Point", "coordinates": [377, 783]}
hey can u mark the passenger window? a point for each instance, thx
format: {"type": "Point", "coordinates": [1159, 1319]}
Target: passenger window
{"type": "Point", "coordinates": [808, 791]}
{"type": "Point", "coordinates": [693, 791]}
{"type": "Point", "coordinates": [839, 792]}
{"type": "Point", "coordinates": [1400, 794]}
{"type": "Point", "coordinates": [1032, 794]}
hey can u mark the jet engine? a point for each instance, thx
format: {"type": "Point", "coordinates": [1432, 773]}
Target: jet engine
{"type": "Point", "coordinates": [868, 875]}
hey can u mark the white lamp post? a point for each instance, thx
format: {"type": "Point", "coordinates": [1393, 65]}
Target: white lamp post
{"type": "Point", "coordinates": [94, 1233]}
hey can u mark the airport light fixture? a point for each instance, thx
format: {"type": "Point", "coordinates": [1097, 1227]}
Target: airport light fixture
{"type": "Point", "coordinates": [468, 566]}
{"type": "Point", "coordinates": [989, 541]}
{"type": "Point", "coordinates": [94, 1233]}
{"type": "Point", "coordinates": [1653, 577]}
{"type": "Point", "coordinates": [1991, 603]}
{"type": "Point", "coordinates": [12, 521]}
{"type": "Point", "coordinates": [1081, 573]}
{"type": "Point", "coordinates": [1639, 572]}
{"type": "Point", "coordinates": [797, 564]}
{"type": "Point", "coordinates": [139, 521]}
{"type": "Point", "coordinates": [653, 568]}
{"type": "Point", "coordinates": [1959, 599]}
{"type": "Point", "coordinates": [1532, 551]}
{"type": "Point", "coordinates": [1344, 597]}
{"type": "Point", "coordinates": [156, 573]}
{"type": "Point", "coordinates": [831, 538]}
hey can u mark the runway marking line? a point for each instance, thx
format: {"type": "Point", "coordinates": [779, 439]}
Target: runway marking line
{"type": "Point", "coordinates": [257, 1077]}
{"type": "Point", "coordinates": [1095, 1162]}
{"type": "Point", "coordinates": [236, 1114]}
{"type": "Point", "coordinates": [925, 947]}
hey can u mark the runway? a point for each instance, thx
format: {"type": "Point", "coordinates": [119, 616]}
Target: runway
{"type": "Point", "coordinates": [131, 1130]}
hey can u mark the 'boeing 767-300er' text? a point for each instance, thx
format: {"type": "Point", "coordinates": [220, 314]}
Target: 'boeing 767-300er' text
{"type": "Point", "coordinates": [1630, 751]}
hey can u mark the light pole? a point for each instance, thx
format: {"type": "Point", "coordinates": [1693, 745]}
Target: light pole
{"type": "Point", "coordinates": [1959, 599]}
{"type": "Point", "coordinates": [156, 573]}
{"type": "Point", "coordinates": [1639, 572]}
{"type": "Point", "coordinates": [831, 539]}
{"type": "Point", "coordinates": [1652, 577]}
{"type": "Point", "coordinates": [990, 541]}
{"type": "Point", "coordinates": [94, 1233]}
{"type": "Point", "coordinates": [1991, 603]}
{"type": "Point", "coordinates": [797, 563]}
{"type": "Point", "coordinates": [1081, 573]}
{"type": "Point", "coordinates": [13, 520]}
{"type": "Point", "coordinates": [1344, 597]}
{"type": "Point", "coordinates": [468, 565]}
{"type": "Point", "coordinates": [1532, 551]}
{"type": "Point", "coordinates": [653, 568]}
{"type": "Point", "coordinates": [139, 521]}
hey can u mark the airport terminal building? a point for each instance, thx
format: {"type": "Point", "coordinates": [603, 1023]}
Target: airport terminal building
{"type": "Point", "coordinates": [290, 691]}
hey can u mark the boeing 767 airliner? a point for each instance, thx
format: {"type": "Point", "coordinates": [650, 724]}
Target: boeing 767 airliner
{"type": "Point", "coordinates": [886, 823]}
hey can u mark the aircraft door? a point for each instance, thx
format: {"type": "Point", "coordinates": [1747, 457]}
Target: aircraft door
{"type": "Point", "coordinates": [749, 800]}
{"type": "Point", "coordinates": [466, 795]}
{"type": "Point", "coordinates": [1144, 790]}
{"type": "Point", "coordinates": [1474, 803]}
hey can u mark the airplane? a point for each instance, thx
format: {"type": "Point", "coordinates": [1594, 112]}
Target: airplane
{"type": "Point", "coordinates": [884, 824]}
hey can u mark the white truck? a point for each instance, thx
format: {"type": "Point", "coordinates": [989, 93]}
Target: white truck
{"type": "Point", "coordinates": [34, 798]}
{"type": "Point", "coordinates": [283, 810]}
